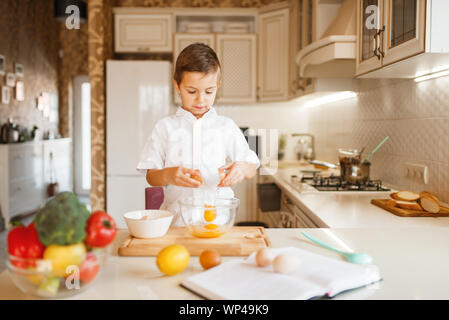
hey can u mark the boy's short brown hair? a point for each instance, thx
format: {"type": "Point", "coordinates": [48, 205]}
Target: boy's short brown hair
{"type": "Point", "coordinates": [197, 57]}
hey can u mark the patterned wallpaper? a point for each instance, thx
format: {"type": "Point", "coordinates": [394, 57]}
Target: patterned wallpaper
{"type": "Point", "coordinates": [28, 34]}
{"type": "Point", "coordinates": [100, 41]}
{"type": "Point", "coordinates": [73, 46]}
{"type": "Point", "coordinates": [193, 3]}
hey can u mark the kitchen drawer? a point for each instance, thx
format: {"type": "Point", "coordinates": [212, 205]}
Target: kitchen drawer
{"type": "Point", "coordinates": [25, 196]}
{"type": "Point", "coordinates": [297, 218]}
{"type": "Point", "coordinates": [25, 162]}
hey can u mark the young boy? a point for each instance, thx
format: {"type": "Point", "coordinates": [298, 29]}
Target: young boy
{"type": "Point", "coordinates": [196, 138]}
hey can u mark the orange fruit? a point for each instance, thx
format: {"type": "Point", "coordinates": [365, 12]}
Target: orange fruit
{"type": "Point", "coordinates": [173, 259]}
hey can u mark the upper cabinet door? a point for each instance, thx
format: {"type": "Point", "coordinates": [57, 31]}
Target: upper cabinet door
{"type": "Point", "coordinates": [143, 33]}
{"type": "Point", "coordinates": [405, 29]}
{"type": "Point", "coordinates": [369, 31]}
{"type": "Point", "coordinates": [237, 54]}
{"type": "Point", "coordinates": [273, 55]}
{"type": "Point", "coordinates": [182, 40]}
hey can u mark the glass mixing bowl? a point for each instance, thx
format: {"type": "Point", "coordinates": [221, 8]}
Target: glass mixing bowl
{"type": "Point", "coordinates": [208, 218]}
{"type": "Point", "coordinates": [36, 277]}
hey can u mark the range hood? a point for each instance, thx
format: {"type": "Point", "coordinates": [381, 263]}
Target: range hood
{"type": "Point", "coordinates": [333, 56]}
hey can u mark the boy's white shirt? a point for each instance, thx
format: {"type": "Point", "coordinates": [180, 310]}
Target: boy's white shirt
{"type": "Point", "coordinates": [204, 144]}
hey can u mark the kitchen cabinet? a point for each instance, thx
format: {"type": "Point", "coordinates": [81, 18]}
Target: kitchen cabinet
{"type": "Point", "coordinates": [140, 31]}
{"type": "Point", "coordinates": [280, 38]}
{"type": "Point", "coordinates": [401, 39]}
{"type": "Point", "coordinates": [25, 174]}
{"type": "Point", "coordinates": [293, 216]}
{"type": "Point", "coordinates": [257, 45]}
{"type": "Point", "coordinates": [368, 22]}
{"type": "Point", "coordinates": [237, 54]}
{"type": "Point", "coordinates": [405, 22]}
{"type": "Point", "coordinates": [273, 55]}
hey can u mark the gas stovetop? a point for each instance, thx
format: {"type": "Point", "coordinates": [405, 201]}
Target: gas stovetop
{"type": "Point", "coordinates": [335, 183]}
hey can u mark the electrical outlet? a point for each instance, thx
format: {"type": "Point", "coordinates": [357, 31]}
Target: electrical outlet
{"type": "Point", "coordinates": [417, 172]}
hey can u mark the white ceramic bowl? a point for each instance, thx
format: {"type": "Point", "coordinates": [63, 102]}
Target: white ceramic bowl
{"type": "Point", "coordinates": [155, 224]}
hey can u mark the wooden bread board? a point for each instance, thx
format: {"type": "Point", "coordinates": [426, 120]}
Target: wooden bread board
{"type": "Point", "coordinates": [239, 241]}
{"type": "Point", "coordinates": [382, 203]}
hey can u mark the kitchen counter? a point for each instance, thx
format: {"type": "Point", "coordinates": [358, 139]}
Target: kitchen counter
{"type": "Point", "coordinates": [346, 209]}
{"type": "Point", "coordinates": [412, 261]}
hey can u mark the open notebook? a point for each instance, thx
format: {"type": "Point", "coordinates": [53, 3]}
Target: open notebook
{"type": "Point", "coordinates": [317, 276]}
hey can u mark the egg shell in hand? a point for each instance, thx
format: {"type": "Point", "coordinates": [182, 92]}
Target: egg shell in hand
{"type": "Point", "coordinates": [264, 257]}
{"type": "Point", "coordinates": [285, 263]}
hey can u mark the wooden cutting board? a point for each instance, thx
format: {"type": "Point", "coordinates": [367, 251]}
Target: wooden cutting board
{"type": "Point", "coordinates": [239, 241]}
{"type": "Point", "coordinates": [382, 203]}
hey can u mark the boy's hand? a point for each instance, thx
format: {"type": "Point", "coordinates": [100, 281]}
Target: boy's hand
{"type": "Point", "coordinates": [238, 171]}
{"type": "Point", "coordinates": [180, 176]}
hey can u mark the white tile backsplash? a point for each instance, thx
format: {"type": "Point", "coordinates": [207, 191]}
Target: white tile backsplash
{"type": "Point", "coordinates": [414, 115]}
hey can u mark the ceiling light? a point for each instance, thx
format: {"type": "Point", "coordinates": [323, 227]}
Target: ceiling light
{"type": "Point", "coordinates": [432, 76]}
{"type": "Point", "coordinates": [334, 97]}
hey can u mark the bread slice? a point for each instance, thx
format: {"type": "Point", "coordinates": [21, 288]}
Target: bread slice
{"type": "Point", "coordinates": [405, 196]}
{"type": "Point", "coordinates": [409, 205]}
{"type": "Point", "coordinates": [429, 202]}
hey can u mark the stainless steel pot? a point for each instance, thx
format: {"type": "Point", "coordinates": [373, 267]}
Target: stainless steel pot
{"type": "Point", "coordinates": [352, 169]}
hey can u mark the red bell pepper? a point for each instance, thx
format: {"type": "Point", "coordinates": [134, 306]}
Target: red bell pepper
{"type": "Point", "coordinates": [101, 229]}
{"type": "Point", "coordinates": [23, 242]}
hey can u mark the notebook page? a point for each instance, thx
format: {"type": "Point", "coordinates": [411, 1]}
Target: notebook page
{"type": "Point", "coordinates": [316, 276]}
{"type": "Point", "coordinates": [242, 281]}
{"type": "Point", "coordinates": [335, 275]}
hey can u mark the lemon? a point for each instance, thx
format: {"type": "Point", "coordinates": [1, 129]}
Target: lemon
{"type": "Point", "coordinates": [172, 259]}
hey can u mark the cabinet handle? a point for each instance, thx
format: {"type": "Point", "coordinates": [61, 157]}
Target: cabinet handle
{"type": "Point", "coordinates": [381, 51]}
{"type": "Point", "coordinates": [143, 49]}
{"type": "Point", "coordinates": [377, 44]}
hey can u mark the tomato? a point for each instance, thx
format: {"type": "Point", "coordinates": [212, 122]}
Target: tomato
{"type": "Point", "coordinates": [23, 242]}
{"type": "Point", "coordinates": [63, 256]}
{"type": "Point", "coordinates": [89, 268]}
{"type": "Point", "coordinates": [101, 229]}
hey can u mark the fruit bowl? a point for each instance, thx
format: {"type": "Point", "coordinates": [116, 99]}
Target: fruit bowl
{"type": "Point", "coordinates": [208, 218]}
{"type": "Point", "coordinates": [40, 277]}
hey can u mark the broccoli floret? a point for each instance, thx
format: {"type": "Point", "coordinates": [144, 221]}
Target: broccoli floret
{"type": "Point", "coordinates": [62, 220]}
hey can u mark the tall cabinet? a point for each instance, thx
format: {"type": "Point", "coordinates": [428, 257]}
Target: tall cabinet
{"type": "Point", "coordinates": [273, 55]}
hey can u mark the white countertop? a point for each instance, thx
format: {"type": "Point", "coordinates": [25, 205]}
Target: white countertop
{"type": "Point", "coordinates": [347, 209]}
{"type": "Point", "coordinates": [412, 261]}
